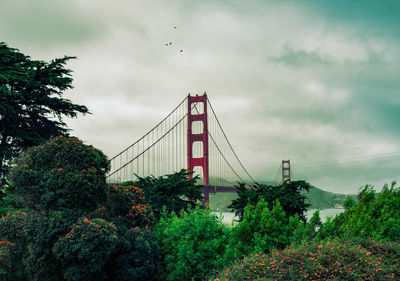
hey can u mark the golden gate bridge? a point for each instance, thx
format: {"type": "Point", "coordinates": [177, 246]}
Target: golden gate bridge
{"type": "Point", "coordinates": [189, 137]}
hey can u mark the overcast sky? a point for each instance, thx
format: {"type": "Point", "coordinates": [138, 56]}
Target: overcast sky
{"type": "Point", "coordinates": [316, 82]}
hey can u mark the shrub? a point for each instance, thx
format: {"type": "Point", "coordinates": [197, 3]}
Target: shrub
{"type": "Point", "coordinates": [62, 173]}
{"type": "Point", "coordinates": [85, 249]}
{"type": "Point", "coordinates": [376, 215]}
{"type": "Point", "coordinates": [290, 194]}
{"type": "Point", "coordinates": [127, 206]}
{"type": "Point", "coordinates": [355, 259]}
{"type": "Point", "coordinates": [11, 253]}
{"type": "Point", "coordinates": [191, 245]}
{"type": "Point", "coordinates": [75, 227]}
{"type": "Point", "coordinates": [174, 191]}
{"type": "Point", "coordinates": [134, 258]}
{"type": "Point", "coordinates": [260, 230]}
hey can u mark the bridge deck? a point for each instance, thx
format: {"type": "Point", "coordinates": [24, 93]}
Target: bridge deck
{"type": "Point", "coordinates": [214, 189]}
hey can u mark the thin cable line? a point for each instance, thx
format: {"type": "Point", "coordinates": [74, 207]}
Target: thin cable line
{"type": "Point", "coordinates": [220, 151]}
{"type": "Point", "coordinates": [166, 133]}
{"type": "Point", "coordinates": [229, 142]}
{"type": "Point", "coordinates": [148, 131]}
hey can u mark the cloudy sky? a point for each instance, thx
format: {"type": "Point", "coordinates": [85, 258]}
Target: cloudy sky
{"type": "Point", "coordinates": [316, 82]}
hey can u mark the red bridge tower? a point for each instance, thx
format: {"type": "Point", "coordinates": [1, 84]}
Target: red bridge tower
{"type": "Point", "coordinates": [286, 170]}
{"type": "Point", "coordinates": [201, 137]}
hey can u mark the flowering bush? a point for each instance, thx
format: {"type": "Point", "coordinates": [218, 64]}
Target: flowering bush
{"type": "Point", "coordinates": [339, 260]}
{"type": "Point", "coordinates": [74, 227]}
{"type": "Point", "coordinates": [85, 249]}
{"type": "Point", "coordinates": [12, 228]}
{"type": "Point", "coordinates": [62, 173]}
{"type": "Point", "coordinates": [127, 206]}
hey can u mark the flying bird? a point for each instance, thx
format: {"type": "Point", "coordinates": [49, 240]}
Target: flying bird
{"type": "Point", "coordinates": [181, 51]}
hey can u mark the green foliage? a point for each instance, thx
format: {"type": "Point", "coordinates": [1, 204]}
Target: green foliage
{"type": "Point", "coordinates": [355, 259]}
{"type": "Point", "coordinates": [290, 195]}
{"type": "Point", "coordinates": [315, 221]}
{"type": "Point", "coordinates": [62, 173]}
{"type": "Point", "coordinates": [126, 207]}
{"type": "Point", "coordinates": [374, 215]}
{"type": "Point", "coordinates": [11, 254]}
{"type": "Point", "coordinates": [349, 202]}
{"type": "Point", "coordinates": [191, 245]}
{"type": "Point", "coordinates": [33, 234]}
{"type": "Point", "coordinates": [85, 249]}
{"type": "Point", "coordinates": [174, 191]}
{"type": "Point", "coordinates": [7, 201]}
{"type": "Point", "coordinates": [366, 194]}
{"type": "Point", "coordinates": [31, 106]}
{"type": "Point", "coordinates": [261, 229]}
{"type": "Point", "coordinates": [134, 258]}
{"type": "Point", "coordinates": [76, 226]}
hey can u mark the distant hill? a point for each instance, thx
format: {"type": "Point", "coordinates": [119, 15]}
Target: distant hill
{"type": "Point", "coordinates": [317, 198]}
{"type": "Point", "coordinates": [321, 199]}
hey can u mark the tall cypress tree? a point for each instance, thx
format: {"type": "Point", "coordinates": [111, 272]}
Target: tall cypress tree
{"type": "Point", "coordinates": [31, 103]}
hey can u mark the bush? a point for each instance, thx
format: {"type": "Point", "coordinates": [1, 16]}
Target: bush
{"type": "Point", "coordinates": [374, 215]}
{"type": "Point", "coordinates": [62, 173]}
{"type": "Point", "coordinates": [174, 191]}
{"type": "Point", "coordinates": [127, 206]}
{"type": "Point", "coordinates": [355, 259]}
{"type": "Point", "coordinates": [7, 202]}
{"type": "Point", "coordinates": [85, 249]}
{"type": "Point", "coordinates": [12, 253]}
{"type": "Point", "coordinates": [191, 245]}
{"type": "Point", "coordinates": [290, 194]}
{"type": "Point", "coordinates": [135, 257]}
{"type": "Point", "coordinates": [260, 230]}
{"type": "Point", "coordinates": [76, 226]}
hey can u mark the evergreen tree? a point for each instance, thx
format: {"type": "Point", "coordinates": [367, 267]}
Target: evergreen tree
{"type": "Point", "coordinates": [31, 106]}
{"type": "Point", "coordinates": [289, 194]}
{"type": "Point", "coordinates": [174, 191]}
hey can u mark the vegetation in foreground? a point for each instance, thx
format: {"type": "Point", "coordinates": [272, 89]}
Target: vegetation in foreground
{"type": "Point", "coordinates": [355, 259]}
{"type": "Point", "coordinates": [75, 227]}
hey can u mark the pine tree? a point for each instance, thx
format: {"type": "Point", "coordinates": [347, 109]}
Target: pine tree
{"type": "Point", "coordinates": [31, 103]}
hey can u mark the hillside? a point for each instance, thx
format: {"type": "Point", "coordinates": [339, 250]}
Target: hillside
{"type": "Point", "coordinates": [317, 198]}
{"type": "Point", "coordinates": [321, 199]}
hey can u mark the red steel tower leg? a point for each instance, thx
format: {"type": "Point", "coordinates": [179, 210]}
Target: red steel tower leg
{"type": "Point", "coordinates": [202, 137]}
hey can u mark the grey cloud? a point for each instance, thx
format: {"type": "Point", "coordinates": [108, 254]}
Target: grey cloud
{"type": "Point", "coordinates": [46, 23]}
{"type": "Point", "coordinates": [300, 58]}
